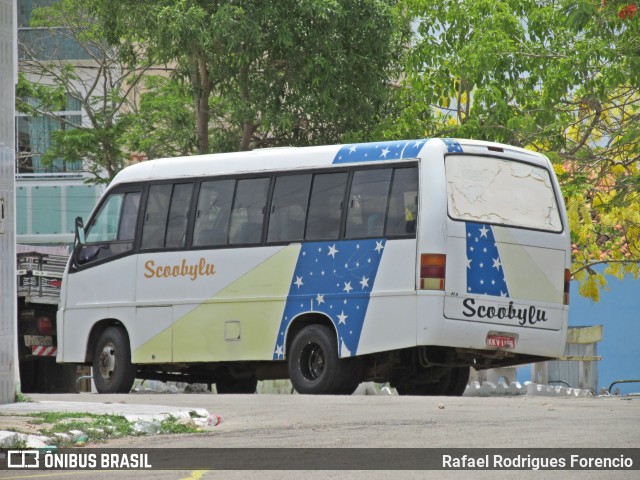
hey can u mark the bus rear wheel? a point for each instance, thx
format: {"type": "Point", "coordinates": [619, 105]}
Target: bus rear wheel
{"type": "Point", "coordinates": [237, 385]}
{"type": "Point", "coordinates": [314, 365]}
{"type": "Point", "coordinates": [452, 384]}
{"type": "Point", "coordinates": [112, 368]}
{"type": "Point", "coordinates": [459, 380]}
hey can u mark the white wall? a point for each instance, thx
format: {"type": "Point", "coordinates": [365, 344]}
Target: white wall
{"type": "Point", "coordinates": [8, 76]}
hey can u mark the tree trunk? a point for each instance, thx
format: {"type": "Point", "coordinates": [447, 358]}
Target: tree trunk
{"type": "Point", "coordinates": [202, 88]}
{"type": "Point", "coordinates": [248, 128]}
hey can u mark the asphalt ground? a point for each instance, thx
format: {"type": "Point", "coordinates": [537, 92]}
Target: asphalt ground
{"type": "Point", "coordinates": [338, 422]}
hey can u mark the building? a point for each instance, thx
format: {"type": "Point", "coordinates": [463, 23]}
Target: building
{"type": "Point", "coordinates": [48, 196]}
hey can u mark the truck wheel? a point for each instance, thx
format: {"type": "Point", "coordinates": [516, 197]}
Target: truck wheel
{"type": "Point", "coordinates": [44, 375]}
{"type": "Point", "coordinates": [314, 365]}
{"type": "Point", "coordinates": [112, 368]}
{"type": "Point", "coordinates": [61, 378]}
{"type": "Point", "coordinates": [28, 376]}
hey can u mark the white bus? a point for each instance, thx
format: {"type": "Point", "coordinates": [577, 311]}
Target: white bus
{"type": "Point", "coordinates": [406, 262]}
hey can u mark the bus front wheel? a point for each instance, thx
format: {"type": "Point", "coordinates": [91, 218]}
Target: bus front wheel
{"type": "Point", "coordinates": [314, 365]}
{"type": "Point", "coordinates": [112, 368]}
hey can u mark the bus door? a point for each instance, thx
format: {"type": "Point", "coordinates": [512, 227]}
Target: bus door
{"type": "Point", "coordinates": [162, 271]}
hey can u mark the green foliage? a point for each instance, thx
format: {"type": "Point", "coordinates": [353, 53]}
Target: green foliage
{"type": "Point", "coordinates": [101, 427]}
{"type": "Point", "coordinates": [17, 445]}
{"type": "Point", "coordinates": [22, 398]}
{"type": "Point", "coordinates": [103, 87]}
{"type": "Point", "coordinates": [163, 124]}
{"type": "Point", "coordinates": [273, 73]}
{"type": "Point", "coordinates": [242, 75]}
{"type": "Point", "coordinates": [173, 425]}
{"type": "Point", "coordinates": [31, 98]}
{"type": "Point", "coordinates": [561, 77]}
{"type": "Point", "coordinates": [97, 427]}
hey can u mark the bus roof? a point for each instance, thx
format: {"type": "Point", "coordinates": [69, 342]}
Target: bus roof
{"type": "Point", "coordinates": [294, 158]}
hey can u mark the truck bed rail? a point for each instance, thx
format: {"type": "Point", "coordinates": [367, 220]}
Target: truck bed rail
{"type": "Point", "coordinates": [40, 276]}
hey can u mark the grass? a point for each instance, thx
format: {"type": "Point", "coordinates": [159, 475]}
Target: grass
{"type": "Point", "coordinates": [96, 427]}
{"type": "Point", "coordinates": [18, 445]}
{"type": "Point", "coordinates": [22, 398]}
{"type": "Point", "coordinates": [99, 427]}
{"type": "Point", "coordinates": [172, 425]}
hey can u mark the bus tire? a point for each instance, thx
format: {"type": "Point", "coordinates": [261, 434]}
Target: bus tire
{"type": "Point", "coordinates": [440, 387]}
{"type": "Point", "coordinates": [237, 385]}
{"type": "Point", "coordinates": [113, 371]}
{"type": "Point", "coordinates": [459, 380]}
{"type": "Point", "coordinates": [314, 366]}
{"type": "Point", "coordinates": [354, 373]}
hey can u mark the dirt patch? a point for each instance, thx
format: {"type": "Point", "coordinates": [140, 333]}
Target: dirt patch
{"type": "Point", "coordinates": [21, 424]}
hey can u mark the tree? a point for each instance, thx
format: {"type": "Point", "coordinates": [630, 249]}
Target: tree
{"type": "Point", "coordinates": [561, 77]}
{"type": "Point", "coordinates": [272, 73]}
{"type": "Point", "coordinates": [162, 123]}
{"type": "Point", "coordinates": [102, 82]}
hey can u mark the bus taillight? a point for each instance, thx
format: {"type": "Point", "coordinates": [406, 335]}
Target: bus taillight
{"type": "Point", "coordinates": [432, 268]}
{"type": "Point", "coordinates": [567, 283]}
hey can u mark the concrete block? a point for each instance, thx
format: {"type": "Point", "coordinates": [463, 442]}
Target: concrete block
{"type": "Point", "coordinates": [201, 412]}
{"type": "Point", "coordinates": [486, 389]}
{"type": "Point", "coordinates": [62, 437]}
{"type": "Point", "coordinates": [35, 441]}
{"type": "Point", "coordinates": [516, 388]}
{"type": "Point", "coordinates": [10, 439]}
{"type": "Point", "coordinates": [473, 389]}
{"type": "Point", "coordinates": [387, 391]}
{"type": "Point", "coordinates": [534, 388]}
{"type": "Point", "coordinates": [75, 434]}
{"type": "Point", "coordinates": [502, 389]}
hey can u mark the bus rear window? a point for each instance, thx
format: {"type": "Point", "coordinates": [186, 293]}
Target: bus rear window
{"type": "Point", "coordinates": [493, 190]}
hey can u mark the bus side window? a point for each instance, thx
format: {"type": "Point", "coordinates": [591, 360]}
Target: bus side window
{"type": "Point", "coordinates": [155, 216]}
{"type": "Point", "coordinates": [325, 206]}
{"type": "Point", "coordinates": [248, 211]}
{"type": "Point", "coordinates": [403, 204]}
{"type": "Point", "coordinates": [166, 216]}
{"type": "Point", "coordinates": [178, 216]}
{"type": "Point", "coordinates": [368, 203]}
{"type": "Point", "coordinates": [289, 208]}
{"type": "Point", "coordinates": [213, 213]}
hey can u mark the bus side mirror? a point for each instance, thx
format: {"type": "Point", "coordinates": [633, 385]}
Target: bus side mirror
{"type": "Point", "coordinates": [80, 236]}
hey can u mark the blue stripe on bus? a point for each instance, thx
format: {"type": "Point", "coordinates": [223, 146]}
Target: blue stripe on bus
{"type": "Point", "coordinates": [334, 279]}
{"type": "Point", "coordinates": [379, 151]}
{"type": "Point", "coordinates": [453, 146]}
{"type": "Point", "coordinates": [485, 274]}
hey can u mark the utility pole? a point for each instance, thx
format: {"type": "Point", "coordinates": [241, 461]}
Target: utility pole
{"type": "Point", "coordinates": [8, 79]}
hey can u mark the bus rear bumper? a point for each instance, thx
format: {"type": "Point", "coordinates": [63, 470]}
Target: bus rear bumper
{"type": "Point", "coordinates": [436, 330]}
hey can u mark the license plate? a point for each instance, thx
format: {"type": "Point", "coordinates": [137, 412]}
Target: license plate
{"type": "Point", "coordinates": [38, 341]}
{"type": "Point", "coordinates": [501, 341]}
